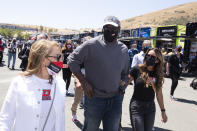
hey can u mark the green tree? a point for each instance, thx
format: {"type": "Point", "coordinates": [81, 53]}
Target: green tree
{"type": "Point", "coordinates": [19, 34]}
{"type": "Point", "coordinates": [26, 36]}
{"type": "Point", "coordinates": [7, 33]}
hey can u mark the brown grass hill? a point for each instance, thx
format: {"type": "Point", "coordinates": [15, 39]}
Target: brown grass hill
{"type": "Point", "coordinates": [177, 15]}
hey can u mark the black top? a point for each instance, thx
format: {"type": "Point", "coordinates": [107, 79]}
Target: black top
{"type": "Point", "coordinates": [66, 53]}
{"type": "Point", "coordinates": [175, 63]}
{"type": "Point", "coordinates": [141, 92]}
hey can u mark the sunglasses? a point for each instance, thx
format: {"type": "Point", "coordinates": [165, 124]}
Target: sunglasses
{"type": "Point", "coordinates": [151, 56]}
{"type": "Point", "coordinates": [58, 57]}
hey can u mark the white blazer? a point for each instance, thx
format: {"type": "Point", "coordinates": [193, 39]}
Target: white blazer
{"type": "Point", "coordinates": [22, 105]}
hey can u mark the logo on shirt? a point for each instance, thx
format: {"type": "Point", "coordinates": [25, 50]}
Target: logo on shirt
{"type": "Point", "coordinates": [46, 95]}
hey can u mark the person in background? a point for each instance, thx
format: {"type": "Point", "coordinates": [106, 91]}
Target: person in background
{"type": "Point", "coordinates": [61, 42]}
{"type": "Point", "coordinates": [66, 51]}
{"type": "Point", "coordinates": [132, 52]}
{"type": "Point", "coordinates": [148, 80]}
{"type": "Point", "coordinates": [163, 51]}
{"type": "Point", "coordinates": [1, 50]}
{"type": "Point", "coordinates": [78, 90]}
{"type": "Point", "coordinates": [36, 98]}
{"type": "Point", "coordinates": [12, 47]}
{"type": "Point", "coordinates": [174, 68]}
{"type": "Point", "coordinates": [42, 36]}
{"type": "Point", "coordinates": [19, 44]}
{"type": "Point", "coordinates": [192, 66]}
{"type": "Point", "coordinates": [75, 45]}
{"type": "Point", "coordinates": [139, 58]}
{"type": "Point", "coordinates": [24, 55]}
{"type": "Point", "coordinates": [78, 96]}
{"type": "Point", "coordinates": [106, 63]}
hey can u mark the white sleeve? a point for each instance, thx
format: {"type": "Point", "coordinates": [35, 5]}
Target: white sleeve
{"type": "Point", "coordinates": [8, 110]}
{"type": "Point", "coordinates": [135, 61]}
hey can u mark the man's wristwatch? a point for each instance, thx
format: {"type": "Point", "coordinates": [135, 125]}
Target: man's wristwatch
{"type": "Point", "coordinates": [163, 110]}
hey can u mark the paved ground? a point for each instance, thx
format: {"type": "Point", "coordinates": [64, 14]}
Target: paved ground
{"type": "Point", "coordinates": [182, 113]}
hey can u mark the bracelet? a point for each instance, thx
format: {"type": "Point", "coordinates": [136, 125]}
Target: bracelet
{"type": "Point", "coordinates": [163, 110]}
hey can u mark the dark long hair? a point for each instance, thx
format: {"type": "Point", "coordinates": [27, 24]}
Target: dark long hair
{"type": "Point", "coordinates": [68, 42]}
{"type": "Point", "coordinates": [158, 69]}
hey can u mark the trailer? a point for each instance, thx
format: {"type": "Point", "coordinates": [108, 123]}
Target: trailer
{"type": "Point", "coordinates": [169, 36]}
{"type": "Point", "coordinates": [191, 41]}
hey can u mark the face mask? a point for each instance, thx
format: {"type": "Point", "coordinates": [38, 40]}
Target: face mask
{"type": "Point", "coordinates": [54, 68]}
{"type": "Point", "coordinates": [146, 48]}
{"type": "Point", "coordinates": [110, 35]}
{"type": "Point", "coordinates": [69, 46]}
{"type": "Point", "coordinates": [179, 49]}
{"type": "Point", "coordinates": [134, 48]}
{"type": "Point", "coordinates": [150, 60]}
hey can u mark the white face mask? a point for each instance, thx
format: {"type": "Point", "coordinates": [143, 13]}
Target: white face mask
{"type": "Point", "coordinates": [51, 72]}
{"type": "Point", "coordinates": [69, 46]}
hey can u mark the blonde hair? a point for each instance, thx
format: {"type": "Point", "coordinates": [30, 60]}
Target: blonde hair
{"type": "Point", "coordinates": [38, 52]}
{"type": "Point", "coordinates": [158, 69]}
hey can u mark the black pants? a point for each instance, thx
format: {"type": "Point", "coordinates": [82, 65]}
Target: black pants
{"type": "Point", "coordinates": [67, 76]}
{"type": "Point", "coordinates": [23, 64]}
{"type": "Point", "coordinates": [1, 56]}
{"type": "Point", "coordinates": [174, 78]}
{"type": "Point", "coordinates": [142, 115]}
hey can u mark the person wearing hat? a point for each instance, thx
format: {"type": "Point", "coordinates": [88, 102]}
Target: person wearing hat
{"type": "Point", "coordinates": [106, 64]}
{"type": "Point", "coordinates": [174, 68]}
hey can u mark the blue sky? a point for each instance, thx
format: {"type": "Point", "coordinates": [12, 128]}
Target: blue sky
{"type": "Point", "coordinates": [77, 14]}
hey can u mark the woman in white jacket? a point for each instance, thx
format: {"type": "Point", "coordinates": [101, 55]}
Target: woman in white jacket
{"type": "Point", "coordinates": [36, 98]}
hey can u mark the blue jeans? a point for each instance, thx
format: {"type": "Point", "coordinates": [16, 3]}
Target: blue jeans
{"type": "Point", "coordinates": [10, 55]}
{"type": "Point", "coordinates": [107, 110]}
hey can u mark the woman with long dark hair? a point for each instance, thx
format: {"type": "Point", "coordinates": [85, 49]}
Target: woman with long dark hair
{"type": "Point", "coordinates": [66, 51]}
{"type": "Point", "coordinates": [148, 79]}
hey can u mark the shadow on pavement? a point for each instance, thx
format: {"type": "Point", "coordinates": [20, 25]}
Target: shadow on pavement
{"type": "Point", "coordinates": [156, 129]}
{"type": "Point", "coordinates": [2, 65]}
{"type": "Point", "coordinates": [161, 129]}
{"type": "Point", "coordinates": [189, 75]}
{"type": "Point", "coordinates": [80, 126]}
{"type": "Point", "coordinates": [182, 79]}
{"type": "Point", "coordinates": [14, 69]}
{"type": "Point", "coordinates": [186, 101]}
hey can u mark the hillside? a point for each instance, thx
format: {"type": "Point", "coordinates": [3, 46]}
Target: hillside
{"type": "Point", "coordinates": [180, 14]}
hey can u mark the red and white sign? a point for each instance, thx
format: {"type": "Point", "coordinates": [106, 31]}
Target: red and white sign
{"type": "Point", "coordinates": [46, 95]}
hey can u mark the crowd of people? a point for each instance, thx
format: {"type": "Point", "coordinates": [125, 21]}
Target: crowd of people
{"type": "Point", "coordinates": [14, 47]}
{"type": "Point", "coordinates": [102, 68]}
